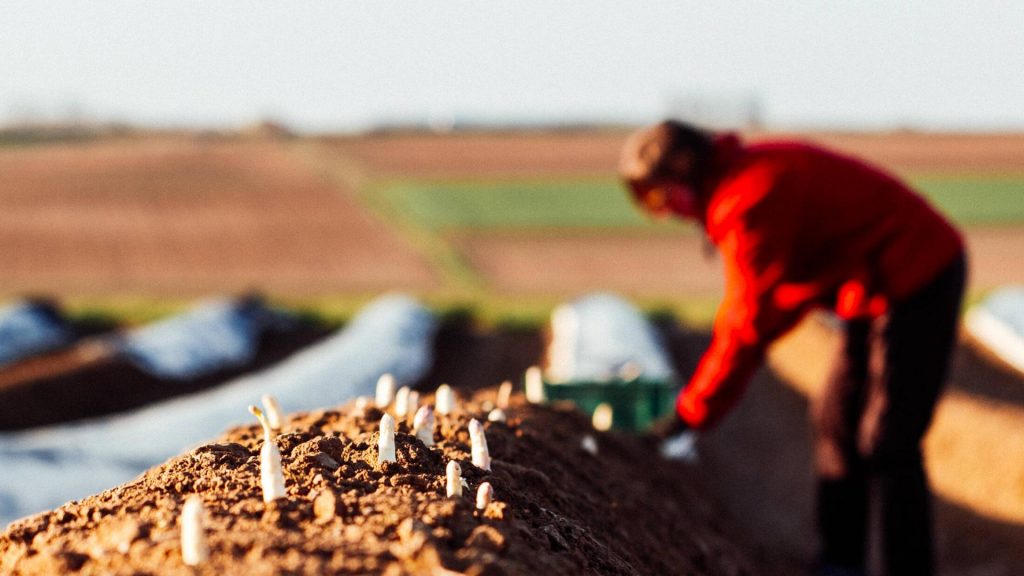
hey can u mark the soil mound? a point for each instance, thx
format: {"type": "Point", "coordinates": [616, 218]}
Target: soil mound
{"type": "Point", "coordinates": [45, 467]}
{"type": "Point", "coordinates": [557, 509]}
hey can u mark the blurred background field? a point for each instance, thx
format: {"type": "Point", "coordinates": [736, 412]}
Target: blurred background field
{"type": "Point", "coordinates": [506, 223]}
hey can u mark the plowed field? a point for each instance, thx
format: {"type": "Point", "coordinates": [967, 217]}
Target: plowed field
{"type": "Point", "coordinates": [183, 217]}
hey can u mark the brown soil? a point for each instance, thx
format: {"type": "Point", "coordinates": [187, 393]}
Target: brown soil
{"type": "Point", "coordinates": [994, 256]}
{"type": "Point", "coordinates": [568, 264]}
{"type": "Point", "coordinates": [597, 152]}
{"type": "Point", "coordinates": [557, 509]}
{"type": "Point", "coordinates": [483, 154]}
{"type": "Point", "coordinates": [757, 463]}
{"type": "Point", "coordinates": [910, 152]}
{"type": "Point", "coordinates": [89, 380]}
{"type": "Point", "coordinates": [184, 217]}
{"type": "Point", "coordinates": [664, 265]}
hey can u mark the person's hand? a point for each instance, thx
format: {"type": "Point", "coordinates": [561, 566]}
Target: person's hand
{"type": "Point", "coordinates": [666, 427]}
{"type": "Point", "coordinates": [673, 439]}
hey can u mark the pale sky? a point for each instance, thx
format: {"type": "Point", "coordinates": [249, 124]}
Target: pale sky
{"type": "Point", "coordinates": [344, 65]}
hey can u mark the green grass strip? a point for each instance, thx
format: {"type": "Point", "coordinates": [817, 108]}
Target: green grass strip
{"type": "Point", "coordinates": [571, 203]}
{"type": "Point", "coordinates": [976, 199]}
{"type": "Point", "coordinates": [601, 204]}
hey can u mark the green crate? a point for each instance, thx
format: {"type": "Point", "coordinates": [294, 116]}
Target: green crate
{"type": "Point", "coordinates": [635, 403]}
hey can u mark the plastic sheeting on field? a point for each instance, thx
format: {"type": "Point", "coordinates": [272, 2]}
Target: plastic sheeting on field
{"type": "Point", "coordinates": [601, 337]}
{"type": "Point", "coordinates": [28, 328]}
{"type": "Point", "coordinates": [997, 322]}
{"type": "Point", "coordinates": [44, 468]}
{"type": "Point", "coordinates": [215, 335]}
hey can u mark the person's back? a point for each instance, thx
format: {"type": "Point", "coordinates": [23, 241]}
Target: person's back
{"type": "Point", "coordinates": [828, 220]}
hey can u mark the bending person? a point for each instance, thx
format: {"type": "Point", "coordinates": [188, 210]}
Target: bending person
{"type": "Point", "coordinates": [798, 228]}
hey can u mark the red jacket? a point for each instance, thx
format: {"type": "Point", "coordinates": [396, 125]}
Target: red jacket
{"type": "Point", "coordinates": [799, 227]}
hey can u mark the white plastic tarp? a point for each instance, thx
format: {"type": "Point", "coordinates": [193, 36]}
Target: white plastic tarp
{"type": "Point", "coordinates": [29, 328]}
{"type": "Point", "coordinates": [44, 468]}
{"type": "Point", "coordinates": [601, 337]}
{"type": "Point", "coordinates": [997, 322]}
{"type": "Point", "coordinates": [215, 335]}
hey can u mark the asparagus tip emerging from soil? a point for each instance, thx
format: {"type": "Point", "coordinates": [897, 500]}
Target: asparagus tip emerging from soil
{"type": "Point", "coordinates": [453, 477]}
{"type": "Point", "coordinates": [194, 550]}
{"type": "Point", "coordinates": [504, 395]}
{"type": "Point", "coordinates": [362, 403]}
{"type": "Point", "coordinates": [484, 495]}
{"type": "Point", "coordinates": [497, 415]}
{"type": "Point", "coordinates": [402, 402]}
{"type": "Point", "coordinates": [534, 385]}
{"type": "Point", "coordinates": [273, 412]}
{"type": "Point", "coordinates": [444, 399]}
{"type": "Point", "coordinates": [478, 440]}
{"type": "Point", "coordinates": [413, 405]}
{"type": "Point", "coordinates": [267, 430]}
{"type": "Point", "coordinates": [423, 425]}
{"type": "Point", "coordinates": [386, 444]}
{"type": "Point", "coordinates": [589, 444]}
{"type": "Point", "coordinates": [385, 390]}
{"type": "Point", "coordinates": [602, 419]}
{"type": "Point", "coordinates": [271, 475]}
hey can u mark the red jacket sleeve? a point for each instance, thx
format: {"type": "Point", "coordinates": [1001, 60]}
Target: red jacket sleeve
{"type": "Point", "coordinates": [756, 249]}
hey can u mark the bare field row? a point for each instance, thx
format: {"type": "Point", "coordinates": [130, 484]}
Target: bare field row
{"type": "Point", "coordinates": [183, 216]}
{"type": "Point", "coordinates": [671, 265]}
{"type": "Point", "coordinates": [186, 217]}
{"type": "Point", "coordinates": [554, 153]}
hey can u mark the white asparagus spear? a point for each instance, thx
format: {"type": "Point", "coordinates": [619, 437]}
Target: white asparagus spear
{"type": "Point", "coordinates": [194, 550]}
{"type": "Point", "coordinates": [589, 444]}
{"type": "Point", "coordinates": [534, 385]}
{"type": "Point", "coordinates": [484, 495]}
{"type": "Point", "coordinates": [478, 442]}
{"type": "Point", "coordinates": [423, 425]}
{"type": "Point", "coordinates": [271, 475]}
{"type": "Point", "coordinates": [273, 411]}
{"type": "Point", "coordinates": [453, 479]}
{"type": "Point", "coordinates": [497, 415]}
{"type": "Point", "coordinates": [444, 399]}
{"type": "Point", "coordinates": [603, 415]}
{"type": "Point", "coordinates": [385, 391]}
{"type": "Point", "coordinates": [504, 395]}
{"type": "Point", "coordinates": [386, 444]}
{"type": "Point", "coordinates": [413, 406]}
{"type": "Point", "coordinates": [402, 403]}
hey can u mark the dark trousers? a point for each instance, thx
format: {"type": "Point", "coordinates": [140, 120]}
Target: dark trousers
{"type": "Point", "coordinates": [870, 421]}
